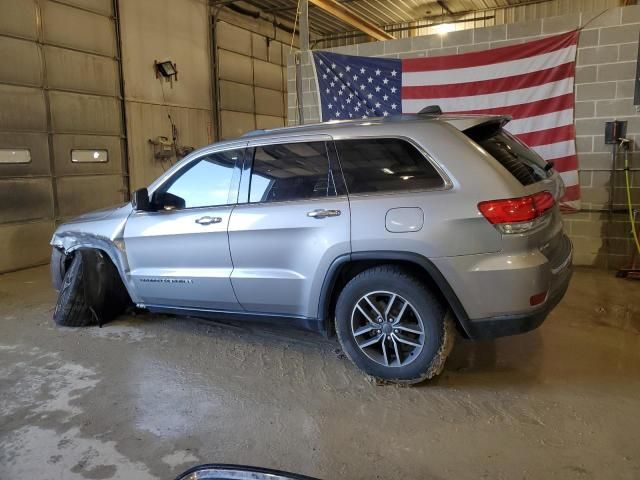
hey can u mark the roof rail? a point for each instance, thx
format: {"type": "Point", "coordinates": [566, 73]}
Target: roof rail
{"type": "Point", "coordinates": [251, 133]}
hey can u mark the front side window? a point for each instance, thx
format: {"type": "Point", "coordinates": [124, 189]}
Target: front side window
{"type": "Point", "coordinates": [204, 183]}
{"type": "Point", "coordinates": [372, 165]}
{"type": "Point", "coordinates": [292, 171]}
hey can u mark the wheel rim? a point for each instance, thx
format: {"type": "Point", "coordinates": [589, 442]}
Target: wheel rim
{"type": "Point", "coordinates": [387, 328]}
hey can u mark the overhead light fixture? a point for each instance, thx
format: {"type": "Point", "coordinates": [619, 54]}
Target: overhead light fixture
{"type": "Point", "coordinates": [444, 28]}
{"type": "Point", "coordinates": [388, 171]}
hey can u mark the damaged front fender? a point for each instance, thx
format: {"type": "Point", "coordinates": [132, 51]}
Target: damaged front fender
{"type": "Point", "coordinates": [105, 233]}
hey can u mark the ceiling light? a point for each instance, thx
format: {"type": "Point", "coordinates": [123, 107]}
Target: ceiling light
{"type": "Point", "coordinates": [444, 28]}
{"type": "Point", "coordinates": [388, 171]}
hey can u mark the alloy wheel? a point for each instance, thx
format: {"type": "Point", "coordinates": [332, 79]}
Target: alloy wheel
{"type": "Point", "coordinates": [387, 328]}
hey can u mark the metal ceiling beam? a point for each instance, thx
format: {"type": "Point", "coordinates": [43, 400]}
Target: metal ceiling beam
{"type": "Point", "coordinates": [348, 16]}
{"type": "Point", "coordinates": [445, 7]}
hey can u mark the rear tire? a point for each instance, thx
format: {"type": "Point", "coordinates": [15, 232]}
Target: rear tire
{"type": "Point", "coordinates": [392, 327]}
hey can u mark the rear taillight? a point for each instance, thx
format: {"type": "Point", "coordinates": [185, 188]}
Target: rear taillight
{"type": "Point", "coordinates": [517, 215]}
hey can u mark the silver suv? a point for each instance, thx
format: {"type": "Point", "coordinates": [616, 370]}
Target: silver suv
{"type": "Point", "coordinates": [393, 233]}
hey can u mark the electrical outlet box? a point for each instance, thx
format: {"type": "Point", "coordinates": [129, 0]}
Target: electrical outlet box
{"type": "Point", "coordinates": [614, 131]}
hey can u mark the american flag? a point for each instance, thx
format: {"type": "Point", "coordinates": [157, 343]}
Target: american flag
{"type": "Point", "coordinates": [532, 82]}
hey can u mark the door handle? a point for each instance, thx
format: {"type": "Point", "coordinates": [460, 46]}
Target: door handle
{"type": "Point", "coordinates": [208, 220]}
{"type": "Point", "coordinates": [321, 213]}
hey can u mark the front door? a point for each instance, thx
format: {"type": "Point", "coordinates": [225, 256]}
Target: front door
{"type": "Point", "coordinates": [178, 254]}
{"type": "Point", "coordinates": [291, 222]}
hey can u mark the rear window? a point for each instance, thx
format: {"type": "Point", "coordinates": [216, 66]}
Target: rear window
{"type": "Point", "coordinates": [522, 162]}
{"type": "Point", "coordinates": [374, 165]}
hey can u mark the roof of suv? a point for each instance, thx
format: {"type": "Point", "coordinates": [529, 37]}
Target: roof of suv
{"type": "Point", "coordinates": [461, 122]}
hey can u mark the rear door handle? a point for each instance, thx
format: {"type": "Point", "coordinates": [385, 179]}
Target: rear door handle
{"type": "Point", "coordinates": [322, 213]}
{"type": "Point", "coordinates": [208, 220]}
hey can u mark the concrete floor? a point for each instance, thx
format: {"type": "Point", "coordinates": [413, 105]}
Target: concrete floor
{"type": "Point", "coordinates": [146, 397]}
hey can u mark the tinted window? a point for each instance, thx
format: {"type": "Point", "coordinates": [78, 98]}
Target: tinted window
{"type": "Point", "coordinates": [292, 171]}
{"type": "Point", "coordinates": [522, 162]}
{"type": "Point", "coordinates": [384, 165]}
{"type": "Point", "coordinates": [206, 182]}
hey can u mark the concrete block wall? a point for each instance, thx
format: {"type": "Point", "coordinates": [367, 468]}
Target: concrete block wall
{"type": "Point", "coordinates": [604, 87]}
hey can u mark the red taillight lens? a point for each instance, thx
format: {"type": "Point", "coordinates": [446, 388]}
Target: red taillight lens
{"type": "Point", "coordinates": [513, 210]}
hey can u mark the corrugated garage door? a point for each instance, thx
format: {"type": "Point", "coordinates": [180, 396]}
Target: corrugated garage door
{"type": "Point", "coordinates": [61, 134]}
{"type": "Point", "coordinates": [252, 74]}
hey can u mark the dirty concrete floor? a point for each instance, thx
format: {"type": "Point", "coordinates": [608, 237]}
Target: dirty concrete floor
{"type": "Point", "coordinates": [148, 396]}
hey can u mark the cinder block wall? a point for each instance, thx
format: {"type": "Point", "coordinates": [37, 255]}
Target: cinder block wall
{"type": "Point", "coordinates": [606, 65]}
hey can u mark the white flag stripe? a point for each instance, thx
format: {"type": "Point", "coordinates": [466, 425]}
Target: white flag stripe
{"type": "Point", "coordinates": [541, 122]}
{"type": "Point", "coordinates": [556, 150]}
{"type": "Point", "coordinates": [570, 177]}
{"type": "Point", "coordinates": [490, 72]}
{"type": "Point", "coordinates": [492, 100]}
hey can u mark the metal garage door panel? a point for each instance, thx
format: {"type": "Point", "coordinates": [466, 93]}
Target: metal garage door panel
{"type": "Point", "coordinates": [99, 6]}
{"type": "Point", "coordinates": [265, 121]}
{"type": "Point", "coordinates": [25, 199]}
{"type": "Point", "coordinates": [81, 72]}
{"type": "Point", "coordinates": [269, 102]}
{"type": "Point", "coordinates": [20, 62]}
{"type": "Point", "coordinates": [25, 245]}
{"type": "Point", "coordinates": [23, 108]}
{"type": "Point", "coordinates": [275, 52]}
{"type": "Point", "coordinates": [259, 47]}
{"type": "Point", "coordinates": [64, 144]}
{"type": "Point", "coordinates": [234, 124]}
{"type": "Point", "coordinates": [235, 67]}
{"type": "Point", "coordinates": [236, 96]}
{"type": "Point", "coordinates": [233, 38]}
{"type": "Point", "coordinates": [78, 113]}
{"type": "Point", "coordinates": [18, 18]}
{"type": "Point", "coordinates": [38, 147]}
{"type": "Point", "coordinates": [267, 75]}
{"type": "Point", "coordinates": [77, 195]}
{"type": "Point", "coordinates": [69, 27]}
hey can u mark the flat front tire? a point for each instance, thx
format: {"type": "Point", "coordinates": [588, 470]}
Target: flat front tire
{"type": "Point", "coordinates": [392, 327]}
{"type": "Point", "coordinates": [91, 291]}
{"type": "Point", "coordinates": [72, 309]}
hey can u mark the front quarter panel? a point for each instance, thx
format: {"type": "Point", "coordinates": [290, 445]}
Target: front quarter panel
{"type": "Point", "coordinates": [101, 230]}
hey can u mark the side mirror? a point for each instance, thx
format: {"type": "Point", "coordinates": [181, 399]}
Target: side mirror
{"type": "Point", "coordinates": [140, 200]}
{"type": "Point", "coordinates": [169, 201]}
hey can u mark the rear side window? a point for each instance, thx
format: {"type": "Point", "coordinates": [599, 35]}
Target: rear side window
{"type": "Point", "coordinates": [385, 165]}
{"type": "Point", "coordinates": [522, 162]}
{"type": "Point", "coordinates": [291, 171]}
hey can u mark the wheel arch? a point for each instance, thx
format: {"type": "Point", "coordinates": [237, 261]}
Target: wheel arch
{"type": "Point", "coordinates": [347, 266]}
{"type": "Point", "coordinates": [68, 244]}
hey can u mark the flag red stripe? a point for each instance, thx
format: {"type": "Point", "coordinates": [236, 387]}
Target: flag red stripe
{"type": "Point", "coordinates": [571, 193]}
{"type": "Point", "coordinates": [495, 85]}
{"type": "Point", "coordinates": [565, 164]}
{"type": "Point", "coordinates": [532, 109]}
{"type": "Point", "coordinates": [489, 57]}
{"type": "Point", "coordinates": [545, 137]}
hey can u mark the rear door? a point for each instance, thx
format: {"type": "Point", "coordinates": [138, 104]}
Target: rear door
{"type": "Point", "coordinates": [291, 222]}
{"type": "Point", "coordinates": [179, 254]}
